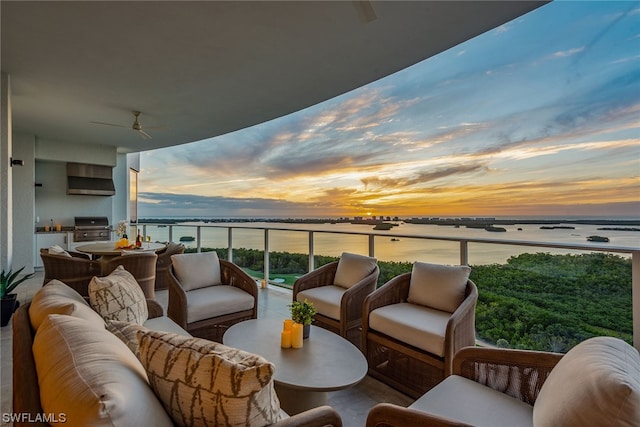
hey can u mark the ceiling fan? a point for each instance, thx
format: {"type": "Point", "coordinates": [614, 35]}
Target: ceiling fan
{"type": "Point", "coordinates": [136, 125]}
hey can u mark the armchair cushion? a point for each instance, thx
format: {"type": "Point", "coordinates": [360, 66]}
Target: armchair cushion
{"type": "Point", "coordinates": [466, 401]}
{"type": "Point", "coordinates": [57, 298]}
{"type": "Point", "coordinates": [596, 383]}
{"type": "Point", "coordinates": [118, 297]}
{"type": "Point", "coordinates": [208, 383]}
{"type": "Point", "coordinates": [198, 270]}
{"type": "Point", "coordinates": [326, 299]}
{"type": "Point", "coordinates": [214, 301]}
{"type": "Point", "coordinates": [438, 286]}
{"type": "Point", "coordinates": [352, 268]}
{"type": "Point", "coordinates": [413, 324]}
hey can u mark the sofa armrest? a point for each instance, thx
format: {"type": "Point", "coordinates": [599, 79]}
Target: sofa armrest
{"type": "Point", "coordinates": [322, 416]}
{"type": "Point", "coordinates": [155, 308]}
{"type": "Point", "coordinates": [389, 415]}
{"type": "Point", "coordinates": [26, 391]}
{"type": "Point", "coordinates": [321, 276]}
{"type": "Point", "coordinates": [501, 368]}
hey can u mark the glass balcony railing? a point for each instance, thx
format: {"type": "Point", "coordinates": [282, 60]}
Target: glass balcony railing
{"type": "Point", "coordinates": [532, 294]}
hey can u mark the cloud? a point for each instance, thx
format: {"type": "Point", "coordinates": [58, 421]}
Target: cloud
{"type": "Point", "coordinates": [567, 53]}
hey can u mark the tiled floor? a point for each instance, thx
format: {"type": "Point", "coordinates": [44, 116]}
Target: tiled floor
{"type": "Point", "coordinates": [353, 404]}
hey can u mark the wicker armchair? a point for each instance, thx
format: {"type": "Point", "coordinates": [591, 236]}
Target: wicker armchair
{"type": "Point", "coordinates": [75, 271]}
{"type": "Point", "coordinates": [516, 373]}
{"type": "Point", "coordinates": [164, 264]}
{"type": "Point", "coordinates": [142, 266]}
{"type": "Point", "coordinates": [339, 309]}
{"type": "Point", "coordinates": [596, 383]}
{"type": "Point", "coordinates": [408, 368]}
{"type": "Point", "coordinates": [207, 312]}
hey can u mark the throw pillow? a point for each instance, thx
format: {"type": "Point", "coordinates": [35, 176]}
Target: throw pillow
{"type": "Point", "coordinates": [197, 270]}
{"type": "Point", "coordinates": [203, 383]}
{"type": "Point", "coordinates": [127, 333]}
{"type": "Point", "coordinates": [438, 286]}
{"type": "Point", "coordinates": [352, 268]}
{"type": "Point", "coordinates": [596, 383]}
{"type": "Point", "coordinates": [91, 377]}
{"type": "Point", "coordinates": [118, 297]}
{"type": "Point", "coordinates": [57, 298]}
{"type": "Point", "coordinates": [58, 250]}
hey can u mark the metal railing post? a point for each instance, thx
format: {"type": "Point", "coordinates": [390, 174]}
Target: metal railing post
{"type": "Point", "coordinates": [266, 258]}
{"type": "Point", "coordinates": [198, 240]}
{"type": "Point", "coordinates": [312, 261]}
{"type": "Point", "coordinates": [464, 252]}
{"type": "Point", "coordinates": [372, 246]}
{"type": "Point", "coordinates": [230, 244]}
{"type": "Point", "coordinates": [635, 297]}
{"type": "Point", "coordinates": [171, 233]}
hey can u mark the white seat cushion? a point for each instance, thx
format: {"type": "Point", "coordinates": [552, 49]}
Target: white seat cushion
{"type": "Point", "coordinates": [198, 270]}
{"type": "Point", "coordinates": [214, 301]}
{"type": "Point", "coordinates": [326, 299]}
{"type": "Point", "coordinates": [466, 401]}
{"type": "Point", "coordinates": [352, 268]}
{"type": "Point", "coordinates": [164, 324]}
{"type": "Point", "coordinates": [419, 326]}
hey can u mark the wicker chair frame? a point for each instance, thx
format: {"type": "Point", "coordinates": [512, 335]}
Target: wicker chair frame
{"type": "Point", "coordinates": [75, 271]}
{"type": "Point", "coordinates": [350, 324]}
{"type": "Point", "coordinates": [141, 266]}
{"type": "Point", "coordinates": [404, 367]}
{"type": "Point", "coordinates": [214, 328]}
{"type": "Point", "coordinates": [164, 264]}
{"type": "Point", "coordinates": [517, 373]}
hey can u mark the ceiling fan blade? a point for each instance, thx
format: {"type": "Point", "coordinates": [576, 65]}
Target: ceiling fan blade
{"type": "Point", "coordinates": [108, 124]}
{"type": "Point", "coordinates": [143, 134]}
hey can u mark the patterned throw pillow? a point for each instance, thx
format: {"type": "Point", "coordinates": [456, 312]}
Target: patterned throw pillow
{"type": "Point", "coordinates": [118, 297]}
{"type": "Point", "coordinates": [203, 383]}
{"type": "Point", "coordinates": [127, 333]}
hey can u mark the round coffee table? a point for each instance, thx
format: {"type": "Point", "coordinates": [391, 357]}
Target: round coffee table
{"type": "Point", "coordinates": [326, 362]}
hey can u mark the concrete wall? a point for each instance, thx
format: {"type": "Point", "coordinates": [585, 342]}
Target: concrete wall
{"type": "Point", "coordinates": [23, 201]}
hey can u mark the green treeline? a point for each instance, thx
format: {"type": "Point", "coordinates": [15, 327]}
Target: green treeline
{"type": "Point", "coordinates": [535, 301]}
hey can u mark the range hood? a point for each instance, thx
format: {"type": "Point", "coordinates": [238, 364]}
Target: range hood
{"type": "Point", "coordinates": [90, 180]}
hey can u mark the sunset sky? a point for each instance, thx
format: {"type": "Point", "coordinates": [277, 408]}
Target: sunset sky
{"type": "Point", "coordinates": [538, 117]}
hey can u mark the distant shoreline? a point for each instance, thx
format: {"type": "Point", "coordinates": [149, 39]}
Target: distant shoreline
{"type": "Point", "coordinates": [472, 222]}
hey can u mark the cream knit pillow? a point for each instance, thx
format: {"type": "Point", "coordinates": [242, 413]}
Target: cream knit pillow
{"type": "Point", "coordinates": [118, 296]}
{"type": "Point", "coordinates": [203, 383]}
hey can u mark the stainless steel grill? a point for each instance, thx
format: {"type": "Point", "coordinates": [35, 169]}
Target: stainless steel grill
{"type": "Point", "coordinates": [91, 228]}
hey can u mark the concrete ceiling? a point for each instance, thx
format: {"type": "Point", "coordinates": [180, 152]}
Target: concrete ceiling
{"type": "Point", "coordinates": [201, 69]}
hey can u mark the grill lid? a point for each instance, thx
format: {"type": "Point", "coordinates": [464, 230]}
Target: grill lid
{"type": "Point", "coordinates": [91, 222]}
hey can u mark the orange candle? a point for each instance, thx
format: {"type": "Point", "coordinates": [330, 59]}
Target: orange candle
{"type": "Point", "coordinates": [296, 335]}
{"type": "Point", "coordinates": [288, 323]}
{"type": "Point", "coordinates": [285, 340]}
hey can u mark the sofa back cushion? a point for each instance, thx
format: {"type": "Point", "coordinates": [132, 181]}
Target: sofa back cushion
{"type": "Point", "coordinates": [596, 383]}
{"type": "Point", "coordinates": [201, 382]}
{"type": "Point", "coordinates": [92, 377]}
{"type": "Point", "coordinates": [352, 268]}
{"type": "Point", "coordinates": [57, 298]}
{"type": "Point", "coordinates": [118, 296]}
{"type": "Point", "coordinates": [438, 286]}
{"type": "Point", "coordinates": [198, 270]}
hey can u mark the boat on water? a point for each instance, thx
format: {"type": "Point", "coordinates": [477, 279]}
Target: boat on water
{"type": "Point", "coordinates": [187, 239]}
{"type": "Point", "coordinates": [597, 239]}
{"type": "Point", "coordinates": [393, 239]}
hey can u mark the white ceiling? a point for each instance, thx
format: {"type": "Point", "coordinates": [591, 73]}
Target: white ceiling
{"type": "Point", "coordinates": [201, 69]}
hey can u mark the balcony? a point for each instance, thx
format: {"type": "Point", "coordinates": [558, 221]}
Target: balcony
{"type": "Point", "coordinates": [353, 404]}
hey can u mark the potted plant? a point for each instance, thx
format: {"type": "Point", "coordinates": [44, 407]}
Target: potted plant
{"type": "Point", "coordinates": [303, 312]}
{"type": "Point", "coordinates": [8, 302]}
